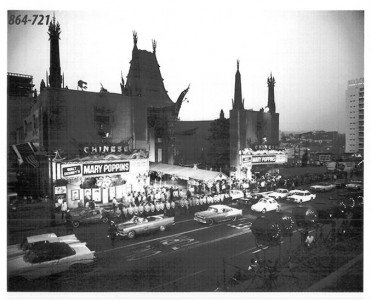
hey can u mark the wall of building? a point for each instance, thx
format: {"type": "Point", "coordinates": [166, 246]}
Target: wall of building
{"type": "Point", "coordinates": [248, 127]}
{"type": "Point", "coordinates": [191, 141]}
{"type": "Point", "coordinates": [354, 131]}
{"type": "Point", "coordinates": [70, 118]}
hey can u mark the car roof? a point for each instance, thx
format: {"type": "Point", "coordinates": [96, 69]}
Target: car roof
{"type": "Point", "coordinates": [42, 237]}
{"type": "Point", "coordinates": [218, 206]}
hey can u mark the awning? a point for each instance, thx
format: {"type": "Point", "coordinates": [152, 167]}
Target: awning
{"type": "Point", "coordinates": [26, 153]}
{"type": "Point", "coordinates": [187, 173]}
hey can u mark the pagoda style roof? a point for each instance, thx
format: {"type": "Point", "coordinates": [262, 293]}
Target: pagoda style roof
{"type": "Point", "coordinates": [144, 78]}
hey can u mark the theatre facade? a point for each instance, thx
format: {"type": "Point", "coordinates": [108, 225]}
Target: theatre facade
{"type": "Point", "coordinates": [79, 144]}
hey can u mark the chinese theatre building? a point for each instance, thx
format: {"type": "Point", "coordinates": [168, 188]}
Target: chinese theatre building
{"type": "Point", "coordinates": [98, 144]}
{"type": "Point", "coordinates": [250, 129]}
{"type": "Point", "coordinates": [260, 160]}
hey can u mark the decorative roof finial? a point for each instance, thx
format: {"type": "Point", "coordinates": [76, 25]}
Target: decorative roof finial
{"type": "Point", "coordinates": [135, 37]}
{"type": "Point", "coordinates": [238, 64]}
{"type": "Point", "coordinates": [154, 44]}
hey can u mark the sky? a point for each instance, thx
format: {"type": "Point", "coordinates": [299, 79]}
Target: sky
{"type": "Point", "coordinates": [311, 53]}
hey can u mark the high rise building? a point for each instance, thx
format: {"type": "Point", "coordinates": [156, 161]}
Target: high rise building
{"type": "Point", "coordinates": [354, 132]}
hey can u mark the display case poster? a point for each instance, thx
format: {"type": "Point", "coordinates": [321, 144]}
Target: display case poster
{"type": "Point", "coordinates": [87, 194]}
{"type": "Point", "coordinates": [119, 191]}
{"type": "Point", "coordinates": [75, 195]}
{"type": "Point", "coordinates": [96, 195]}
{"type": "Point", "coordinates": [112, 192]}
{"type": "Point", "coordinates": [104, 195]}
{"type": "Point", "coordinates": [60, 190]}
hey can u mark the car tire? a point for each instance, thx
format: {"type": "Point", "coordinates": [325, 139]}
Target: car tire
{"type": "Point", "coordinates": [311, 199]}
{"type": "Point", "coordinates": [131, 234]}
{"type": "Point", "coordinates": [264, 211]}
{"type": "Point", "coordinates": [300, 201]}
{"type": "Point", "coordinates": [75, 224]}
{"type": "Point", "coordinates": [279, 198]}
{"type": "Point", "coordinates": [234, 218]}
{"type": "Point", "coordinates": [277, 209]}
{"type": "Point", "coordinates": [105, 219]}
{"type": "Point", "coordinates": [211, 222]}
{"type": "Point", "coordinates": [162, 228]}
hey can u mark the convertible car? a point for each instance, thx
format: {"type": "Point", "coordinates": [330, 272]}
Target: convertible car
{"type": "Point", "coordinates": [87, 215]}
{"type": "Point", "coordinates": [217, 213]}
{"type": "Point", "coordinates": [29, 242]}
{"type": "Point", "coordinates": [139, 225]}
{"type": "Point", "coordinates": [322, 187]}
{"type": "Point", "coordinates": [45, 259]}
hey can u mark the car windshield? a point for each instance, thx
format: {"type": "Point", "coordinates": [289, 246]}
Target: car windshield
{"type": "Point", "coordinates": [212, 209]}
{"type": "Point", "coordinates": [263, 200]}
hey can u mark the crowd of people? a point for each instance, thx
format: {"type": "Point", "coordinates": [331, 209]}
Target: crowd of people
{"type": "Point", "coordinates": [171, 201]}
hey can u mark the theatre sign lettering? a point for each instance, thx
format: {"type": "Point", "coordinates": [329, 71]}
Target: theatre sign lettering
{"type": "Point", "coordinates": [105, 168]}
{"type": "Point", "coordinates": [106, 149]}
{"type": "Point", "coordinates": [247, 160]}
{"type": "Point", "coordinates": [92, 169]}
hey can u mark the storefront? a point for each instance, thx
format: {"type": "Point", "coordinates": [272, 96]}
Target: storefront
{"type": "Point", "coordinates": [78, 181]}
{"type": "Point", "coordinates": [254, 161]}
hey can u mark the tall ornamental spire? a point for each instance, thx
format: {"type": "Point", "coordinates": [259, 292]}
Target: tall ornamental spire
{"type": "Point", "coordinates": [271, 104]}
{"type": "Point", "coordinates": [237, 103]}
{"type": "Point", "coordinates": [55, 78]}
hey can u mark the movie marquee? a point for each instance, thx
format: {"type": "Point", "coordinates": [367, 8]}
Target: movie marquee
{"type": "Point", "coordinates": [117, 172]}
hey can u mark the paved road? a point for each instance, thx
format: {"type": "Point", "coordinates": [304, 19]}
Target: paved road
{"type": "Point", "coordinates": [187, 257]}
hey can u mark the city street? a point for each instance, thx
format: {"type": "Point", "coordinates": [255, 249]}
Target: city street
{"type": "Point", "coordinates": [187, 257]}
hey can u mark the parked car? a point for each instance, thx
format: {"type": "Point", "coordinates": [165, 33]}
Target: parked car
{"type": "Point", "coordinates": [29, 242]}
{"type": "Point", "coordinates": [87, 215]}
{"type": "Point", "coordinates": [301, 196]}
{"type": "Point", "coordinates": [139, 225]}
{"type": "Point", "coordinates": [217, 213]}
{"type": "Point", "coordinates": [235, 194]}
{"type": "Point", "coordinates": [265, 204]}
{"type": "Point", "coordinates": [279, 194]}
{"type": "Point", "coordinates": [50, 258]}
{"type": "Point", "coordinates": [323, 187]}
{"type": "Point", "coordinates": [293, 192]}
{"type": "Point", "coordinates": [354, 186]}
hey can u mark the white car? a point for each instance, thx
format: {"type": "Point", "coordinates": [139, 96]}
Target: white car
{"type": "Point", "coordinates": [354, 185]}
{"type": "Point", "coordinates": [46, 259]}
{"type": "Point", "coordinates": [322, 187]}
{"type": "Point", "coordinates": [31, 241]}
{"type": "Point", "coordinates": [217, 213]}
{"type": "Point", "coordinates": [265, 204]}
{"type": "Point", "coordinates": [279, 194]}
{"type": "Point", "coordinates": [293, 192]}
{"type": "Point", "coordinates": [301, 196]}
{"type": "Point", "coordinates": [236, 194]}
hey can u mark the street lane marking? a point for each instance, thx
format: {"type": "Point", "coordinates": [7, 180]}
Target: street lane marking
{"type": "Point", "coordinates": [169, 236]}
{"type": "Point", "coordinates": [243, 252]}
{"type": "Point", "coordinates": [181, 278]}
{"type": "Point", "coordinates": [160, 238]}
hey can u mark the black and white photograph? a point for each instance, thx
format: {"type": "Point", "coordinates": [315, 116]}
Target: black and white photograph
{"type": "Point", "coordinates": [184, 147]}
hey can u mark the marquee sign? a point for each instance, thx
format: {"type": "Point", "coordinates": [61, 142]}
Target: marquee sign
{"type": "Point", "coordinates": [105, 168]}
{"type": "Point", "coordinates": [106, 149]}
{"type": "Point", "coordinates": [74, 170]}
{"type": "Point", "coordinates": [248, 160]}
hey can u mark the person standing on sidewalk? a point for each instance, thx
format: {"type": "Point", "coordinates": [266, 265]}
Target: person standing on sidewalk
{"type": "Point", "coordinates": [112, 232]}
{"type": "Point", "coordinates": [64, 209]}
{"type": "Point", "coordinates": [68, 224]}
